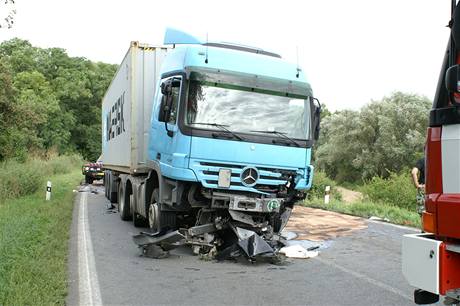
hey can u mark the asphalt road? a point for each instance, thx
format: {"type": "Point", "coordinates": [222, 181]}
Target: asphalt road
{"type": "Point", "coordinates": [106, 268]}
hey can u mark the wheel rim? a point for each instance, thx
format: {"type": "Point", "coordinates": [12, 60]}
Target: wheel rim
{"type": "Point", "coordinates": [153, 215]}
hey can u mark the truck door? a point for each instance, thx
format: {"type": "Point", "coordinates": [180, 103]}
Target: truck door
{"type": "Point", "coordinates": [167, 144]}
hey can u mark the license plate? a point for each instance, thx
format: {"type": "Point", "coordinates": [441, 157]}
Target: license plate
{"type": "Point", "coordinates": [225, 176]}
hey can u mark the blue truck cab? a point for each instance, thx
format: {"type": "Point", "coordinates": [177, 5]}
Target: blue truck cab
{"type": "Point", "coordinates": [229, 147]}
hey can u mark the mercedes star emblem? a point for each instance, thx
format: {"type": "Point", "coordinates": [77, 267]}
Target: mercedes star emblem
{"type": "Point", "coordinates": [249, 176]}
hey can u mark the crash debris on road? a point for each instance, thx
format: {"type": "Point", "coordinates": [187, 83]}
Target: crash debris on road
{"type": "Point", "coordinates": [298, 251]}
{"type": "Point", "coordinates": [308, 231]}
{"type": "Point", "coordinates": [231, 242]}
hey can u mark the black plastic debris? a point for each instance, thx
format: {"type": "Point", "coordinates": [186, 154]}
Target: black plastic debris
{"type": "Point", "coordinates": [255, 246]}
{"type": "Point", "coordinates": [232, 243]}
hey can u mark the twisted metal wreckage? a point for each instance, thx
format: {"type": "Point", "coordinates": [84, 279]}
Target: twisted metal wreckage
{"type": "Point", "coordinates": [222, 239]}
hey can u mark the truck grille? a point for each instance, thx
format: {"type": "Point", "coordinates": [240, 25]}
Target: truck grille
{"type": "Point", "coordinates": [268, 181]}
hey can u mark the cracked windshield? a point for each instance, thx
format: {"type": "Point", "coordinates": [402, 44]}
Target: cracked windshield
{"type": "Point", "coordinates": [242, 110]}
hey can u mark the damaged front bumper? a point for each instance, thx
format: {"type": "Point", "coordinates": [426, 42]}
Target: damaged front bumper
{"type": "Point", "coordinates": [247, 243]}
{"type": "Point", "coordinates": [234, 225]}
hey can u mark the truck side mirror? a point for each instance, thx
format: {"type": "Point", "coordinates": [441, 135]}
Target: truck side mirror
{"type": "Point", "coordinates": [166, 87]}
{"type": "Point", "coordinates": [166, 100]}
{"type": "Point", "coordinates": [452, 79]}
{"type": "Point", "coordinates": [165, 106]}
{"type": "Point", "coordinates": [165, 112]}
{"type": "Point", "coordinates": [166, 103]}
{"type": "Point", "coordinates": [316, 118]}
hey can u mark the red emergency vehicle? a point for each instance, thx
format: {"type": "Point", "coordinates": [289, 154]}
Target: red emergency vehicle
{"type": "Point", "coordinates": [431, 260]}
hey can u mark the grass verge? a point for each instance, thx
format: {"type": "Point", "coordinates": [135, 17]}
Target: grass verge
{"type": "Point", "coordinates": [34, 244]}
{"type": "Point", "coordinates": [365, 209]}
{"type": "Point", "coordinates": [20, 179]}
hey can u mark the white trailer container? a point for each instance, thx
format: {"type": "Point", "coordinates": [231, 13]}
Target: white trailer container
{"type": "Point", "coordinates": [126, 109]}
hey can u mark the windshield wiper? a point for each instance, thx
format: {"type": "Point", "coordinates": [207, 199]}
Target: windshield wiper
{"type": "Point", "coordinates": [280, 134]}
{"type": "Point", "coordinates": [223, 127]}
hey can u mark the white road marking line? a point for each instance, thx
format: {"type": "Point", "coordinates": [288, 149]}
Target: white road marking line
{"type": "Point", "coordinates": [89, 292]}
{"type": "Point", "coordinates": [365, 278]}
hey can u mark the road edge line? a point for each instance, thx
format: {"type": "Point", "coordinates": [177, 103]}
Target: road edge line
{"type": "Point", "coordinates": [88, 284]}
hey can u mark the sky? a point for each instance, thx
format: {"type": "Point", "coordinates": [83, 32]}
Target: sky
{"type": "Point", "coordinates": [351, 51]}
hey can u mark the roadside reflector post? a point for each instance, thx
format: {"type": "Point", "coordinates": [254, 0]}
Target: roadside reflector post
{"type": "Point", "coordinates": [326, 195]}
{"type": "Point", "coordinates": [48, 191]}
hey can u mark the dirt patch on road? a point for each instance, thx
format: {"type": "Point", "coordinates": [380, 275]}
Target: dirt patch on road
{"type": "Point", "coordinates": [318, 225]}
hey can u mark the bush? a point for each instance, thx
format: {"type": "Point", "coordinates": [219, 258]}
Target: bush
{"type": "Point", "coordinates": [60, 165]}
{"type": "Point", "coordinates": [397, 190]}
{"type": "Point", "coordinates": [320, 181]}
{"type": "Point", "coordinates": [18, 179]}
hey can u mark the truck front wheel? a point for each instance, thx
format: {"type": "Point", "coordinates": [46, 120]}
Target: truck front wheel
{"type": "Point", "coordinates": [123, 203]}
{"type": "Point", "coordinates": [160, 221]}
{"type": "Point", "coordinates": [154, 212]}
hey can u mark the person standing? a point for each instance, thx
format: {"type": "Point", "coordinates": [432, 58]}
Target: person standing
{"type": "Point", "coordinates": [418, 178]}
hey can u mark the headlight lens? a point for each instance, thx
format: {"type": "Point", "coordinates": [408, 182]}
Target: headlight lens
{"type": "Point", "coordinates": [86, 168]}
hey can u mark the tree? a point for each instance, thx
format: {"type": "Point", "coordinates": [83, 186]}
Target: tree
{"type": "Point", "coordinates": [9, 142]}
{"type": "Point", "coordinates": [384, 136]}
{"type": "Point", "coordinates": [49, 100]}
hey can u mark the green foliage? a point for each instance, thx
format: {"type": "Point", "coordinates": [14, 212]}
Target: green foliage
{"type": "Point", "coordinates": [397, 190]}
{"type": "Point", "coordinates": [367, 209]}
{"type": "Point", "coordinates": [325, 112]}
{"type": "Point", "coordinates": [34, 244]}
{"type": "Point", "coordinates": [320, 181]}
{"type": "Point", "coordinates": [382, 137]}
{"type": "Point", "coordinates": [49, 101]}
{"type": "Point", "coordinates": [19, 179]}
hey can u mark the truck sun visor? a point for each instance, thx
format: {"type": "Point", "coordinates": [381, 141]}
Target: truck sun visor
{"type": "Point", "coordinates": [262, 83]}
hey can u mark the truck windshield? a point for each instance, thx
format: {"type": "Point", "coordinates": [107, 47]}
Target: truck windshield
{"type": "Point", "coordinates": [247, 110]}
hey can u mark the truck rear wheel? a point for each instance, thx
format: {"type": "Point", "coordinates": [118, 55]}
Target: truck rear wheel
{"type": "Point", "coordinates": [138, 219]}
{"type": "Point", "coordinates": [112, 189]}
{"type": "Point", "coordinates": [123, 203]}
{"type": "Point", "coordinates": [105, 186]}
{"type": "Point", "coordinates": [88, 179]}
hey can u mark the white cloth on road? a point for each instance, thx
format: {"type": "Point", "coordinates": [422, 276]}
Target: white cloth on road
{"type": "Point", "coordinates": [298, 251]}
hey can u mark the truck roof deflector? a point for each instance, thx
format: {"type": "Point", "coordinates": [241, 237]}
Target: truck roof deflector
{"type": "Point", "coordinates": [173, 36]}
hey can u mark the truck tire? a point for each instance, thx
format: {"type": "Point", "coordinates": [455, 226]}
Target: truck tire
{"type": "Point", "coordinates": [159, 221]}
{"type": "Point", "coordinates": [105, 186]}
{"type": "Point", "coordinates": [88, 179]}
{"type": "Point", "coordinates": [123, 203]}
{"type": "Point", "coordinates": [112, 189]}
{"type": "Point", "coordinates": [138, 219]}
